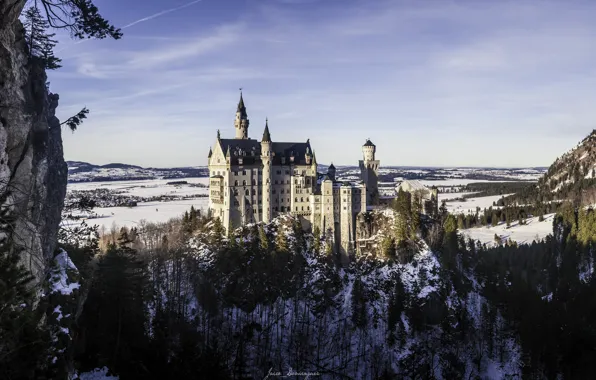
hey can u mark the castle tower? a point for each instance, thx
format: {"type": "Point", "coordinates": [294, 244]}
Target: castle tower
{"type": "Point", "coordinates": [369, 168]}
{"type": "Point", "coordinates": [241, 121]}
{"type": "Point", "coordinates": [266, 159]}
{"type": "Point", "coordinates": [331, 172]}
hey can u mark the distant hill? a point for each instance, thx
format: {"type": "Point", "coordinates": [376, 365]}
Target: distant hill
{"type": "Point", "coordinates": [571, 177]}
{"type": "Point", "coordinates": [79, 171]}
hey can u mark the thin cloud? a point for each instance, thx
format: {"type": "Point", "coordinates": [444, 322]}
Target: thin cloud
{"type": "Point", "coordinates": [156, 15]}
{"type": "Point", "coordinates": [144, 19]}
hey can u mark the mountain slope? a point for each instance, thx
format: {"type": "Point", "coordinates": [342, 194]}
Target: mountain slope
{"type": "Point", "coordinates": [571, 177]}
{"type": "Point", "coordinates": [572, 167]}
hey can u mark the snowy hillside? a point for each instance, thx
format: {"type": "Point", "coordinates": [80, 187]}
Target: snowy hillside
{"type": "Point", "coordinates": [572, 167]}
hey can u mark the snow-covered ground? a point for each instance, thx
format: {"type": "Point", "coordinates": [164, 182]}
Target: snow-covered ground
{"type": "Point", "coordinates": [469, 206]}
{"type": "Point", "coordinates": [532, 230]}
{"type": "Point", "coordinates": [147, 188]}
{"type": "Point", "coordinates": [149, 211]}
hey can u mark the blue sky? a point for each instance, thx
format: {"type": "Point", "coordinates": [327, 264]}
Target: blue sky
{"type": "Point", "coordinates": [431, 83]}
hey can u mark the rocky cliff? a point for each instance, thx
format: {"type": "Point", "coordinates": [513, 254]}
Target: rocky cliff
{"type": "Point", "coordinates": [32, 168]}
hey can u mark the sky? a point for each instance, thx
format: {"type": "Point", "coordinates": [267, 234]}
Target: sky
{"type": "Point", "coordinates": [431, 83]}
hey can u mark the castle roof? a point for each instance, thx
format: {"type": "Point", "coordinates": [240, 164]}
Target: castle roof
{"type": "Point", "coordinates": [242, 108]}
{"type": "Point", "coordinates": [416, 185]}
{"type": "Point", "coordinates": [266, 135]}
{"type": "Point", "coordinates": [250, 151]}
{"type": "Point", "coordinates": [368, 143]}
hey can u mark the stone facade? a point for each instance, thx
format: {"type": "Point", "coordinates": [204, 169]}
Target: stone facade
{"type": "Point", "coordinates": [428, 197]}
{"type": "Point", "coordinates": [254, 181]}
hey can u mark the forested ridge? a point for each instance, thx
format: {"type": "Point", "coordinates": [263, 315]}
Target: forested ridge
{"type": "Point", "coordinates": [183, 299]}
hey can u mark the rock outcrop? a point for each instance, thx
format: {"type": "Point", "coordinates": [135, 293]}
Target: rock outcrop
{"type": "Point", "coordinates": [32, 167]}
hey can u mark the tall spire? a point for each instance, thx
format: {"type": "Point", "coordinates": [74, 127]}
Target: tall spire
{"type": "Point", "coordinates": [241, 107]}
{"type": "Point", "coordinates": [266, 135]}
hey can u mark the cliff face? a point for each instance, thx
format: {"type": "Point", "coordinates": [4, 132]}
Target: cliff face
{"type": "Point", "coordinates": [32, 167]}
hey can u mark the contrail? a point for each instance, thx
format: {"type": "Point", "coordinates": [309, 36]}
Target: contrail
{"type": "Point", "coordinates": [160, 14]}
{"type": "Point", "coordinates": [140, 21]}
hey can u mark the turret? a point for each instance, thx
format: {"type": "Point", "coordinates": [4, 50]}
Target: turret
{"type": "Point", "coordinates": [266, 160]}
{"type": "Point", "coordinates": [241, 122]}
{"type": "Point", "coordinates": [331, 172]}
{"type": "Point", "coordinates": [369, 149]}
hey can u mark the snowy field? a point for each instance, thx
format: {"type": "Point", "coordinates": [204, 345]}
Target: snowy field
{"type": "Point", "coordinates": [149, 211]}
{"type": "Point", "coordinates": [532, 230]}
{"type": "Point", "coordinates": [147, 188]}
{"type": "Point", "coordinates": [469, 206]}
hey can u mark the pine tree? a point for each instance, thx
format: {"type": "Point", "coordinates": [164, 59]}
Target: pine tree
{"type": "Point", "coordinates": [281, 241]}
{"type": "Point", "coordinates": [263, 239]}
{"type": "Point", "coordinates": [40, 42]}
{"type": "Point", "coordinates": [316, 239]}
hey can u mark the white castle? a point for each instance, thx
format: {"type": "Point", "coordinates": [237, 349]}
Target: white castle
{"type": "Point", "coordinates": [255, 181]}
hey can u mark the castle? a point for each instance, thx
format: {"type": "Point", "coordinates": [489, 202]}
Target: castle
{"type": "Point", "coordinates": [255, 181]}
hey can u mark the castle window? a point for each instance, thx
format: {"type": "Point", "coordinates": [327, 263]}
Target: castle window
{"type": "Point", "coordinates": [282, 191]}
{"type": "Point", "coordinates": [301, 199]}
{"type": "Point", "coordinates": [302, 208]}
{"type": "Point", "coordinates": [287, 172]}
{"type": "Point", "coordinates": [296, 208]}
{"type": "Point", "coordinates": [273, 191]}
{"type": "Point", "coordinates": [244, 183]}
{"type": "Point", "coordinates": [253, 192]}
{"type": "Point", "coordinates": [296, 200]}
{"type": "Point", "coordinates": [276, 209]}
{"type": "Point", "coordinates": [236, 183]}
{"type": "Point", "coordinates": [279, 172]}
{"type": "Point", "coordinates": [276, 182]}
{"type": "Point", "coordinates": [308, 208]}
{"type": "Point", "coordinates": [244, 172]}
{"type": "Point", "coordinates": [235, 172]}
{"type": "Point", "coordinates": [344, 207]}
{"type": "Point", "coordinates": [254, 182]}
{"type": "Point", "coordinates": [288, 200]}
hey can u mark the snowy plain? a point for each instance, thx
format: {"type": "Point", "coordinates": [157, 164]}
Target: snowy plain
{"type": "Point", "coordinates": [155, 211]}
{"type": "Point", "coordinates": [526, 233]}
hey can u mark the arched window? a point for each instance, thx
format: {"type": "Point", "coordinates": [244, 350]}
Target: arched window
{"type": "Point", "coordinates": [296, 199]}
{"type": "Point", "coordinates": [246, 192]}
{"type": "Point", "coordinates": [236, 183]}
{"type": "Point", "coordinates": [302, 208]}
{"type": "Point", "coordinates": [308, 208]}
{"type": "Point", "coordinates": [254, 192]}
{"type": "Point", "coordinates": [244, 183]}
{"type": "Point", "coordinates": [301, 199]}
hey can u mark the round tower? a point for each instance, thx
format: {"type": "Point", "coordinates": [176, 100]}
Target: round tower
{"type": "Point", "coordinates": [369, 168]}
{"type": "Point", "coordinates": [369, 149]}
{"type": "Point", "coordinates": [241, 121]}
{"type": "Point", "coordinates": [266, 157]}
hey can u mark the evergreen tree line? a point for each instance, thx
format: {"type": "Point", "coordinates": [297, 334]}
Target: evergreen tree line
{"type": "Point", "coordinates": [506, 214]}
{"type": "Point", "coordinates": [545, 291]}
